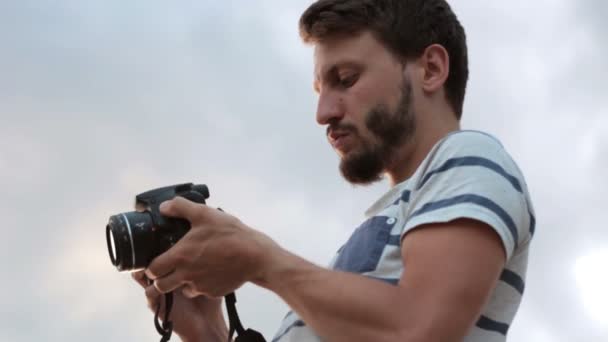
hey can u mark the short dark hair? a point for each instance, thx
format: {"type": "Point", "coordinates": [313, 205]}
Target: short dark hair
{"type": "Point", "coordinates": [405, 27]}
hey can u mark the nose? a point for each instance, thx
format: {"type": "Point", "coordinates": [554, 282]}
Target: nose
{"type": "Point", "coordinates": [329, 108]}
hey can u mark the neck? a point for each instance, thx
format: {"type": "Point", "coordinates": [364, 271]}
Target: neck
{"type": "Point", "coordinates": [411, 154]}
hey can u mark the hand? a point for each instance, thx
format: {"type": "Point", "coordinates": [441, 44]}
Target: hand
{"type": "Point", "coordinates": [194, 319]}
{"type": "Point", "coordinates": [217, 255]}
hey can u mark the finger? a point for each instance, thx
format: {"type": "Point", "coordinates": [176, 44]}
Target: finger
{"type": "Point", "coordinates": [152, 292]}
{"type": "Point", "coordinates": [189, 292]}
{"type": "Point", "coordinates": [183, 208]}
{"type": "Point", "coordinates": [153, 296]}
{"type": "Point", "coordinates": [163, 264]}
{"type": "Point", "coordinates": [169, 283]}
{"type": "Point", "coordinates": [167, 262]}
{"type": "Point", "coordinates": [140, 278]}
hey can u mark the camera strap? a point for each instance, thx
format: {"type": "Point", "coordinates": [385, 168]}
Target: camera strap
{"type": "Point", "coordinates": [234, 321]}
{"type": "Point", "coordinates": [248, 335]}
{"type": "Point", "coordinates": [166, 329]}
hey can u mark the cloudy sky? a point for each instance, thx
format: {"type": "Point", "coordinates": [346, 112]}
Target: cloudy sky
{"type": "Point", "coordinates": [101, 100]}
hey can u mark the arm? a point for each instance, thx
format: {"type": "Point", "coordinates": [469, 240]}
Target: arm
{"type": "Point", "coordinates": [450, 271]}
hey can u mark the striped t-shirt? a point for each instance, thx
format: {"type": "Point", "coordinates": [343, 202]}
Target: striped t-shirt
{"type": "Point", "coordinates": [468, 174]}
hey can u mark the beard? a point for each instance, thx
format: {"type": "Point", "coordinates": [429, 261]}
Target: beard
{"type": "Point", "coordinates": [367, 163]}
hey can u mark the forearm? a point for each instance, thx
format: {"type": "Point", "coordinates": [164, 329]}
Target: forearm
{"type": "Point", "coordinates": [216, 335]}
{"type": "Point", "coordinates": [341, 306]}
{"type": "Point", "coordinates": [214, 329]}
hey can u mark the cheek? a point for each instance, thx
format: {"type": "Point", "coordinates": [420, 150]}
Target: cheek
{"type": "Point", "coordinates": [359, 100]}
{"type": "Point", "coordinates": [364, 97]}
{"type": "Point", "coordinates": [375, 91]}
{"type": "Point", "coordinates": [381, 89]}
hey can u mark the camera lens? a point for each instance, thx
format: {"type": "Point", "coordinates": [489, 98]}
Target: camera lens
{"type": "Point", "coordinates": [112, 246]}
{"type": "Point", "coordinates": [130, 238]}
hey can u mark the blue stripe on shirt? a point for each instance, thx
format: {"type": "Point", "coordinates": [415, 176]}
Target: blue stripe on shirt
{"type": "Point", "coordinates": [405, 197]}
{"type": "Point", "coordinates": [473, 161]}
{"type": "Point", "coordinates": [513, 279]}
{"type": "Point", "coordinates": [532, 222]}
{"type": "Point", "coordinates": [298, 323]}
{"type": "Point", "coordinates": [392, 281]}
{"type": "Point", "coordinates": [486, 323]}
{"type": "Point", "coordinates": [475, 199]}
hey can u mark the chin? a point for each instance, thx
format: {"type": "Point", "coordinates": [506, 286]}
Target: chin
{"type": "Point", "coordinates": [341, 154]}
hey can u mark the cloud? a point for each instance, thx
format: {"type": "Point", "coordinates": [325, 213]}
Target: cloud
{"type": "Point", "coordinates": [100, 101]}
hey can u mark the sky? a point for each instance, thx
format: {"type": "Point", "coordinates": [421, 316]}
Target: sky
{"type": "Point", "coordinates": [102, 100]}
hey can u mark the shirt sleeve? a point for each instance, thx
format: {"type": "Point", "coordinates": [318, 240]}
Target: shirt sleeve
{"type": "Point", "coordinates": [470, 175]}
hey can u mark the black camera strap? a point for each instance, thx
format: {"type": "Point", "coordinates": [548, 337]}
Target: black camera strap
{"type": "Point", "coordinates": [166, 329]}
{"type": "Point", "coordinates": [234, 321]}
{"type": "Point", "coordinates": [233, 316]}
{"type": "Point", "coordinates": [248, 335]}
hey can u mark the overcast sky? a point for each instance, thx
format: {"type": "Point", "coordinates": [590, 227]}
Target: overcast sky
{"type": "Point", "coordinates": [102, 100]}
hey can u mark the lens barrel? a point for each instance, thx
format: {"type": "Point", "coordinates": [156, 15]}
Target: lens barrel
{"type": "Point", "coordinates": [131, 239]}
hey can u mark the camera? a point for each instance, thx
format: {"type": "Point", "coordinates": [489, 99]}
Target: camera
{"type": "Point", "coordinates": [135, 238]}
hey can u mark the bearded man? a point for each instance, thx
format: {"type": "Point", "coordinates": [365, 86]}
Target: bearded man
{"type": "Point", "coordinates": [441, 256]}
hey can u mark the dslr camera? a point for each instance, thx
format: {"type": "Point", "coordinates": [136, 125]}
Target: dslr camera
{"type": "Point", "coordinates": [135, 238]}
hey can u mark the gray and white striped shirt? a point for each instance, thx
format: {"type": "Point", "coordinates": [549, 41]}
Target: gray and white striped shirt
{"type": "Point", "coordinates": [468, 174]}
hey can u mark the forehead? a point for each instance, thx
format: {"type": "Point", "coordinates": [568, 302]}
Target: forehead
{"type": "Point", "coordinates": [353, 49]}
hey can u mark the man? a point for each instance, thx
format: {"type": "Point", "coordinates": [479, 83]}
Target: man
{"type": "Point", "coordinates": [442, 255]}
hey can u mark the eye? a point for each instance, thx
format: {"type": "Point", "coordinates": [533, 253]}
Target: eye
{"type": "Point", "coordinates": [348, 81]}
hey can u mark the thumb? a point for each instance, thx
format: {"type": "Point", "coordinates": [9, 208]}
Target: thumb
{"type": "Point", "coordinates": [183, 208]}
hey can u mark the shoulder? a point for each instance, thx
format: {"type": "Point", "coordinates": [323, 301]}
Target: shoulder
{"type": "Point", "coordinates": [468, 142]}
{"type": "Point", "coordinates": [475, 150]}
{"type": "Point", "coordinates": [469, 174]}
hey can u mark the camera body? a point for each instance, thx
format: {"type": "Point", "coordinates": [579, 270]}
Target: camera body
{"type": "Point", "coordinates": [135, 238]}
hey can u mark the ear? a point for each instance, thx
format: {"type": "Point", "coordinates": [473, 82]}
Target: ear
{"type": "Point", "coordinates": [435, 63]}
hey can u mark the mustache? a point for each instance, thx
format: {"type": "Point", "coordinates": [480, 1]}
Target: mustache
{"type": "Point", "coordinates": [340, 127]}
